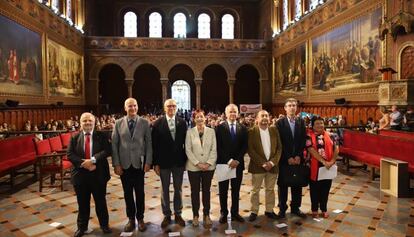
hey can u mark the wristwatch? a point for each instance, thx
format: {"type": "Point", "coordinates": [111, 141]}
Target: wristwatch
{"type": "Point", "coordinates": [93, 160]}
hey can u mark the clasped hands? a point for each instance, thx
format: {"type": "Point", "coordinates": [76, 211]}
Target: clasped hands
{"type": "Point", "coordinates": [203, 166]}
{"type": "Point", "coordinates": [294, 160]}
{"type": "Point", "coordinates": [87, 164]}
{"type": "Point", "coordinates": [119, 171]}
{"type": "Point", "coordinates": [267, 166]}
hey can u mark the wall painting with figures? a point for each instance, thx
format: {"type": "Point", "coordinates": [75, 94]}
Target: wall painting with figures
{"type": "Point", "coordinates": [348, 57]}
{"type": "Point", "coordinates": [20, 60]}
{"type": "Point", "coordinates": [65, 71]}
{"type": "Point", "coordinates": [291, 72]}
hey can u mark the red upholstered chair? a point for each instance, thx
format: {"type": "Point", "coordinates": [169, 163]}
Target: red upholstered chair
{"type": "Point", "coordinates": [65, 138]}
{"type": "Point", "coordinates": [51, 163]}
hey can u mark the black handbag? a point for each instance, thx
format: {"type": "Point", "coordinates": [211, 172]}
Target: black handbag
{"type": "Point", "coordinates": [295, 175]}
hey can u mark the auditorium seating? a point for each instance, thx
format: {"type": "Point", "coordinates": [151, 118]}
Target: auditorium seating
{"type": "Point", "coordinates": [397, 134]}
{"type": "Point", "coordinates": [369, 148]}
{"type": "Point", "coordinates": [48, 155]}
{"type": "Point", "coordinates": [17, 153]}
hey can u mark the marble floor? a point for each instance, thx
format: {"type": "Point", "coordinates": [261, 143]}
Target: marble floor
{"type": "Point", "coordinates": [365, 211]}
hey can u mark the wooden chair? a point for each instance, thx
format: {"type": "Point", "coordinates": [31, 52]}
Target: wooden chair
{"type": "Point", "coordinates": [52, 163]}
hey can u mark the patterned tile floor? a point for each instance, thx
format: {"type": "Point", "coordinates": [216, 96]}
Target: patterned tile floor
{"type": "Point", "coordinates": [366, 211]}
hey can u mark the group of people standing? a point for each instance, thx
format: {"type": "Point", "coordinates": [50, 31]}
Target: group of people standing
{"type": "Point", "coordinates": [170, 148]}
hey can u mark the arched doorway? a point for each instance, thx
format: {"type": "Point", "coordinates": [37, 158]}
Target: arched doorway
{"type": "Point", "coordinates": [147, 89]}
{"type": "Point", "coordinates": [214, 89]}
{"type": "Point", "coordinates": [182, 72]}
{"type": "Point", "coordinates": [113, 90]}
{"type": "Point", "coordinates": [181, 93]}
{"type": "Point", "coordinates": [247, 86]}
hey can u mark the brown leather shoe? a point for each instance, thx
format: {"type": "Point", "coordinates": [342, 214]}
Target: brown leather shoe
{"type": "Point", "coordinates": [142, 226]}
{"type": "Point", "coordinates": [179, 220]}
{"type": "Point", "coordinates": [130, 226]}
{"type": "Point", "coordinates": [166, 221]}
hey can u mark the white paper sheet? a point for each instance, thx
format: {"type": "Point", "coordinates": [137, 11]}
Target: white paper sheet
{"type": "Point", "coordinates": [126, 234]}
{"type": "Point", "coordinates": [325, 173]}
{"type": "Point", "coordinates": [230, 232]}
{"type": "Point", "coordinates": [171, 234]}
{"type": "Point", "coordinates": [337, 211]}
{"type": "Point", "coordinates": [281, 225]}
{"type": "Point", "coordinates": [55, 224]}
{"type": "Point", "coordinates": [224, 172]}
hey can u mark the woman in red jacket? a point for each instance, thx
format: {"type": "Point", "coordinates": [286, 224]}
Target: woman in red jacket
{"type": "Point", "coordinates": [323, 151]}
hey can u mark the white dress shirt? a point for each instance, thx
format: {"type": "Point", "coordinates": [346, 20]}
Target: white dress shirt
{"type": "Point", "coordinates": [265, 137]}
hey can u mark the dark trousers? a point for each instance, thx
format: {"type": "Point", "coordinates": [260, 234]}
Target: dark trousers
{"type": "Point", "coordinates": [83, 195]}
{"type": "Point", "coordinates": [296, 194]}
{"type": "Point", "coordinates": [319, 192]}
{"type": "Point", "coordinates": [204, 178]}
{"type": "Point", "coordinates": [177, 175]}
{"type": "Point", "coordinates": [235, 193]}
{"type": "Point", "coordinates": [133, 180]}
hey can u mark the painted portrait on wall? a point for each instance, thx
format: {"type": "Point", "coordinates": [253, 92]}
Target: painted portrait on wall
{"type": "Point", "coordinates": [348, 57]}
{"type": "Point", "coordinates": [291, 72]}
{"type": "Point", "coordinates": [65, 71]}
{"type": "Point", "coordinates": [20, 59]}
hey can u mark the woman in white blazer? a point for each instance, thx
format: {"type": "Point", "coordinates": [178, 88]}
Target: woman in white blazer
{"type": "Point", "coordinates": [200, 147]}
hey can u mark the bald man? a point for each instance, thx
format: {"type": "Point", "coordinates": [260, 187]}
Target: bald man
{"type": "Point", "coordinates": [131, 158]}
{"type": "Point", "coordinates": [88, 151]}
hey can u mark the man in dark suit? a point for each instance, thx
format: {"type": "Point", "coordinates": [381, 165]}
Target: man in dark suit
{"type": "Point", "coordinates": [168, 136]}
{"type": "Point", "coordinates": [131, 158]}
{"type": "Point", "coordinates": [231, 147]}
{"type": "Point", "coordinates": [292, 131]}
{"type": "Point", "coordinates": [88, 152]}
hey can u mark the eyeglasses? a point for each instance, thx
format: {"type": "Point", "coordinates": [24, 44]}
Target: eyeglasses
{"type": "Point", "coordinates": [171, 106]}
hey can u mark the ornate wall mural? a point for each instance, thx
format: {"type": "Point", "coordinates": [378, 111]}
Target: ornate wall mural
{"type": "Point", "coordinates": [348, 57]}
{"type": "Point", "coordinates": [65, 71]}
{"type": "Point", "coordinates": [291, 72]}
{"type": "Point", "coordinates": [20, 59]}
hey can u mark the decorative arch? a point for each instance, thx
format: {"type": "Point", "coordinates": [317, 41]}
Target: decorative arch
{"type": "Point", "coordinates": [121, 14]}
{"type": "Point", "coordinates": [190, 63]}
{"type": "Point", "coordinates": [147, 88]}
{"type": "Point", "coordinates": [147, 15]}
{"type": "Point", "coordinates": [97, 66]}
{"type": "Point", "coordinates": [112, 76]}
{"type": "Point", "coordinates": [176, 10]}
{"type": "Point", "coordinates": [219, 62]}
{"type": "Point", "coordinates": [131, 68]}
{"type": "Point", "coordinates": [405, 69]}
{"type": "Point", "coordinates": [207, 11]}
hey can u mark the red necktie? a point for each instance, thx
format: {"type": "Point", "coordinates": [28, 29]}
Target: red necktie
{"type": "Point", "coordinates": [87, 146]}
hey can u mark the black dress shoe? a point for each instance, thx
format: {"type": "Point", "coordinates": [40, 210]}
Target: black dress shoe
{"type": "Point", "coordinates": [106, 229]}
{"type": "Point", "coordinates": [237, 217]}
{"type": "Point", "coordinates": [223, 219]}
{"type": "Point", "coordinates": [142, 226]}
{"type": "Point", "coordinates": [252, 217]}
{"type": "Point", "coordinates": [179, 220]}
{"type": "Point", "coordinates": [299, 213]}
{"type": "Point", "coordinates": [271, 215]}
{"type": "Point", "coordinates": [130, 226]}
{"type": "Point", "coordinates": [166, 221]}
{"type": "Point", "coordinates": [79, 233]}
{"type": "Point", "coordinates": [282, 214]}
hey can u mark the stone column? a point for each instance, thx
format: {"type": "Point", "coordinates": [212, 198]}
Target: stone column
{"type": "Point", "coordinates": [198, 82]}
{"type": "Point", "coordinates": [164, 84]}
{"type": "Point", "coordinates": [92, 97]}
{"type": "Point", "coordinates": [231, 82]}
{"type": "Point", "coordinates": [130, 83]}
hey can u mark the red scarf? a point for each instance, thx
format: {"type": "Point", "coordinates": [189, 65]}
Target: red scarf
{"type": "Point", "coordinates": [328, 152]}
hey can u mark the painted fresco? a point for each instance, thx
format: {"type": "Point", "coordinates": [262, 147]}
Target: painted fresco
{"type": "Point", "coordinates": [20, 59]}
{"type": "Point", "coordinates": [348, 57]}
{"type": "Point", "coordinates": [291, 72]}
{"type": "Point", "coordinates": [65, 71]}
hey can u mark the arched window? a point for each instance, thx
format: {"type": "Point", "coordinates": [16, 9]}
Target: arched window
{"type": "Point", "coordinates": [227, 27]}
{"type": "Point", "coordinates": [285, 14]}
{"type": "Point", "coordinates": [204, 26]}
{"type": "Point", "coordinates": [180, 92]}
{"type": "Point", "coordinates": [298, 9]}
{"type": "Point", "coordinates": [155, 25]}
{"type": "Point", "coordinates": [69, 9]}
{"type": "Point", "coordinates": [130, 24]}
{"type": "Point", "coordinates": [180, 25]}
{"type": "Point", "coordinates": [55, 6]}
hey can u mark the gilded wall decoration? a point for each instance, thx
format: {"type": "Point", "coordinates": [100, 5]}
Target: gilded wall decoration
{"type": "Point", "coordinates": [20, 59]}
{"type": "Point", "coordinates": [348, 57]}
{"type": "Point", "coordinates": [65, 71]}
{"type": "Point", "coordinates": [291, 72]}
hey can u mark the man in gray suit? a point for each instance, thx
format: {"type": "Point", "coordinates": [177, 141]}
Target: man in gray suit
{"type": "Point", "coordinates": [131, 158]}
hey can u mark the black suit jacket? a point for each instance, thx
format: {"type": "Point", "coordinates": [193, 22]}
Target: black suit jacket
{"type": "Point", "coordinates": [101, 149]}
{"type": "Point", "coordinates": [291, 146]}
{"type": "Point", "coordinates": [169, 152]}
{"type": "Point", "coordinates": [227, 148]}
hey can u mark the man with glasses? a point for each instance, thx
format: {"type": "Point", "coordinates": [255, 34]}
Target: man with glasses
{"type": "Point", "coordinates": [168, 136]}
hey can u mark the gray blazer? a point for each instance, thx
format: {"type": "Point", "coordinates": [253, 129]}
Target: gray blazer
{"type": "Point", "coordinates": [206, 153]}
{"type": "Point", "coordinates": [135, 150]}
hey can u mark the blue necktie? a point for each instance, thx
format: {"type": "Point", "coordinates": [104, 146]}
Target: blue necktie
{"type": "Point", "coordinates": [131, 124]}
{"type": "Point", "coordinates": [232, 132]}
